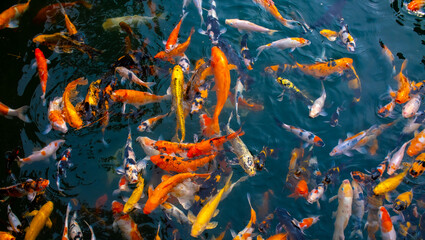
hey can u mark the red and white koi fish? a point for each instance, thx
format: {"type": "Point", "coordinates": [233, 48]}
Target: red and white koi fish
{"type": "Point", "coordinates": [128, 74]}
{"type": "Point", "coordinates": [395, 161]}
{"type": "Point", "coordinates": [316, 194]}
{"type": "Point", "coordinates": [387, 228]}
{"type": "Point", "coordinates": [19, 113]}
{"type": "Point", "coordinates": [9, 18]}
{"type": "Point", "coordinates": [306, 222]}
{"type": "Point", "coordinates": [285, 43]}
{"type": "Point", "coordinates": [56, 116]}
{"type": "Point", "coordinates": [15, 224]}
{"type": "Point", "coordinates": [45, 153]}
{"type": "Point", "coordinates": [124, 222]}
{"type": "Point", "coordinates": [42, 72]}
{"type": "Point", "coordinates": [305, 135]}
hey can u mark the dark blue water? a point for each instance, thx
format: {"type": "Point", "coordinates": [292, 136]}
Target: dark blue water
{"type": "Point", "coordinates": [93, 174]}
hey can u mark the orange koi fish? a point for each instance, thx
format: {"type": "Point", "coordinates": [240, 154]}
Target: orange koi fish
{"type": "Point", "coordinates": [388, 54]}
{"type": "Point", "coordinates": [246, 233]}
{"type": "Point", "coordinates": [172, 39]}
{"type": "Point", "coordinates": [9, 18]}
{"type": "Point", "coordinates": [387, 110]}
{"type": "Point", "coordinates": [29, 188]}
{"type": "Point", "coordinates": [220, 68]}
{"type": "Point", "coordinates": [207, 146]}
{"type": "Point", "coordinates": [269, 6]}
{"type": "Point", "coordinates": [387, 228]}
{"type": "Point", "coordinates": [417, 144]}
{"type": "Point", "coordinates": [72, 30]}
{"type": "Point", "coordinates": [416, 5]}
{"type": "Point", "coordinates": [19, 113]}
{"type": "Point", "coordinates": [49, 12]}
{"type": "Point", "coordinates": [124, 222]}
{"type": "Point", "coordinates": [71, 116]}
{"type": "Point", "coordinates": [42, 72]}
{"type": "Point", "coordinates": [160, 194]}
{"type": "Point", "coordinates": [135, 98]}
{"type": "Point", "coordinates": [179, 164]}
{"type": "Point", "coordinates": [402, 94]}
{"type": "Point", "coordinates": [177, 51]}
{"type": "Point", "coordinates": [301, 190]}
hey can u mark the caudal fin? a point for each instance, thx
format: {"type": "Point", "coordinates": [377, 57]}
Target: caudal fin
{"type": "Point", "coordinates": [260, 49]}
{"type": "Point", "coordinates": [21, 114]}
{"type": "Point", "coordinates": [149, 85]}
{"type": "Point", "coordinates": [208, 125]}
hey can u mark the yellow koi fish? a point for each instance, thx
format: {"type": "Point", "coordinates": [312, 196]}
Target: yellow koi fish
{"type": "Point", "coordinates": [41, 219]}
{"type": "Point", "coordinates": [177, 88]}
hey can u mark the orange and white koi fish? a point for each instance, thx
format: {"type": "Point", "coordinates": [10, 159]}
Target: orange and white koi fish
{"type": "Point", "coordinates": [402, 94]}
{"type": "Point", "coordinates": [177, 51]}
{"type": "Point", "coordinates": [179, 164]}
{"type": "Point", "coordinates": [172, 39]}
{"type": "Point", "coordinates": [128, 74]}
{"type": "Point", "coordinates": [136, 98]}
{"type": "Point", "coordinates": [396, 158]}
{"type": "Point", "coordinates": [42, 72]}
{"type": "Point", "coordinates": [71, 115]}
{"type": "Point", "coordinates": [317, 108]}
{"type": "Point", "coordinates": [152, 147]}
{"type": "Point", "coordinates": [415, 5]}
{"type": "Point", "coordinates": [72, 30]}
{"type": "Point", "coordinates": [285, 43]}
{"type": "Point", "coordinates": [412, 106]}
{"type": "Point", "coordinates": [9, 18]}
{"type": "Point", "coordinates": [329, 34]}
{"type": "Point", "coordinates": [41, 219]}
{"type": "Point", "coordinates": [387, 110]}
{"type": "Point", "coordinates": [388, 54]}
{"type": "Point", "coordinates": [19, 113]}
{"type": "Point", "coordinates": [306, 222]}
{"type": "Point", "coordinates": [29, 188]}
{"type": "Point", "coordinates": [269, 6]}
{"type": "Point", "coordinates": [56, 116]}
{"type": "Point", "coordinates": [45, 153]}
{"type": "Point", "coordinates": [345, 200]}
{"type": "Point", "coordinates": [387, 228]}
{"type": "Point", "coordinates": [65, 227]}
{"type": "Point", "coordinates": [208, 146]}
{"type": "Point", "coordinates": [417, 145]}
{"type": "Point", "coordinates": [316, 194]}
{"type": "Point", "coordinates": [124, 222]}
{"type": "Point", "coordinates": [148, 124]}
{"type": "Point", "coordinates": [160, 194]}
{"type": "Point", "coordinates": [246, 233]}
{"type": "Point", "coordinates": [301, 190]}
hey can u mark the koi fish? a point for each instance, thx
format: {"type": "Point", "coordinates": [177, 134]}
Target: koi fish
{"type": "Point", "coordinates": [390, 184]}
{"type": "Point", "coordinates": [287, 222]}
{"type": "Point", "coordinates": [177, 51]}
{"type": "Point", "coordinates": [412, 106]}
{"type": "Point", "coordinates": [358, 209]}
{"type": "Point", "coordinates": [334, 121]}
{"type": "Point", "coordinates": [184, 63]}
{"type": "Point", "coordinates": [136, 98]}
{"type": "Point", "coordinates": [124, 222]}
{"type": "Point", "coordinates": [374, 202]}
{"type": "Point", "coordinates": [41, 219]}
{"type": "Point", "coordinates": [62, 165]}
{"type": "Point", "coordinates": [418, 166]}
{"type": "Point", "coordinates": [316, 194]}
{"type": "Point", "coordinates": [288, 85]}
{"type": "Point", "coordinates": [301, 190]}
{"type": "Point", "coordinates": [172, 39]}
{"type": "Point", "coordinates": [45, 153]}
{"type": "Point", "coordinates": [185, 192]}
{"type": "Point", "coordinates": [388, 54]}
{"type": "Point", "coordinates": [395, 161]}
{"type": "Point", "coordinates": [56, 116]}
{"type": "Point", "coordinates": [387, 228]}
{"type": "Point", "coordinates": [6, 236]}
{"type": "Point", "coordinates": [65, 227]}
{"type": "Point", "coordinates": [211, 145]}
{"type": "Point", "coordinates": [135, 21]}
{"type": "Point", "coordinates": [417, 144]}
{"type": "Point", "coordinates": [49, 12]}
{"type": "Point", "coordinates": [61, 43]}
{"type": "Point", "coordinates": [42, 72]}
{"type": "Point", "coordinates": [74, 228]}
{"type": "Point", "coordinates": [179, 164]}
{"type": "Point", "coordinates": [128, 74]}
{"type": "Point", "coordinates": [387, 110]}
{"type": "Point", "coordinates": [30, 188]}
{"type": "Point", "coordinates": [137, 193]}
{"type": "Point", "coordinates": [127, 29]}
{"type": "Point", "coordinates": [148, 124]}
{"type": "Point", "coordinates": [130, 168]}
{"type": "Point", "coordinates": [345, 200]}
{"type": "Point", "coordinates": [347, 39]}
{"type": "Point", "coordinates": [177, 87]}
{"type": "Point", "coordinates": [415, 5]}
{"type": "Point", "coordinates": [9, 18]}
{"type": "Point", "coordinates": [71, 115]}
{"type": "Point", "coordinates": [202, 220]}
{"type": "Point", "coordinates": [349, 143]}
{"type": "Point", "coordinates": [238, 95]}
{"type": "Point", "coordinates": [317, 107]}
{"type": "Point", "coordinates": [378, 171]}
{"type": "Point", "coordinates": [72, 30]}
{"type": "Point", "coordinates": [284, 43]}
{"type": "Point", "coordinates": [15, 224]}
{"type": "Point", "coordinates": [19, 113]}
{"type": "Point", "coordinates": [246, 55]}
{"type": "Point", "coordinates": [213, 26]}
{"type": "Point", "coordinates": [329, 34]}
{"type": "Point", "coordinates": [172, 211]}
{"type": "Point", "coordinates": [244, 25]}
{"type": "Point", "coordinates": [269, 6]}
{"type": "Point", "coordinates": [402, 94]}
{"type": "Point", "coordinates": [304, 135]}
{"type": "Point", "coordinates": [403, 201]}
{"type": "Point", "coordinates": [306, 222]}
{"type": "Point", "coordinates": [246, 233]}
{"type": "Point", "coordinates": [160, 194]}
{"type": "Point", "coordinates": [260, 159]}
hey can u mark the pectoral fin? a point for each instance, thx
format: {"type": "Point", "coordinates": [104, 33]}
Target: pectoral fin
{"type": "Point", "coordinates": [212, 225]}
{"type": "Point", "coordinates": [191, 217]}
{"type": "Point", "coordinates": [216, 213]}
{"type": "Point", "coordinates": [49, 223]}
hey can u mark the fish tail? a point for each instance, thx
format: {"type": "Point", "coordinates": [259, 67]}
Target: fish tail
{"type": "Point", "coordinates": [21, 114]}
{"type": "Point", "coordinates": [85, 4]}
{"type": "Point", "coordinates": [149, 85]}
{"type": "Point", "coordinates": [280, 123]}
{"type": "Point", "coordinates": [90, 51]}
{"type": "Point", "coordinates": [271, 32]}
{"type": "Point", "coordinates": [260, 49]}
{"type": "Point", "coordinates": [202, 175]}
{"type": "Point", "coordinates": [208, 125]}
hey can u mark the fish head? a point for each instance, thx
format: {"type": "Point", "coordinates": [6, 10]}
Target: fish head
{"type": "Point", "coordinates": [345, 190]}
{"type": "Point", "coordinates": [400, 205]}
{"type": "Point", "coordinates": [346, 62]}
{"type": "Point", "coordinates": [417, 169]}
{"type": "Point", "coordinates": [38, 39]}
{"type": "Point", "coordinates": [117, 207]}
{"type": "Point", "coordinates": [143, 126]}
{"type": "Point", "coordinates": [148, 145]}
{"type": "Point", "coordinates": [351, 46]}
{"type": "Point", "coordinates": [248, 165]}
{"type": "Point", "coordinates": [302, 188]}
{"type": "Point", "coordinates": [402, 96]}
{"type": "Point", "coordinates": [318, 142]}
{"type": "Point", "coordinates": [416, 147]}
{"type": "Point", "coordinates": [60, 126]}
{"type": "Point", "coordinates": [131, 172]}
{"type": "Point", "coordinates": [41, 184]}
{"type": "Point", "coordinates": [229, 21]}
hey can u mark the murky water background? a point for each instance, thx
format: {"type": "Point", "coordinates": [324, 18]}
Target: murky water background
{"type": "Point", "coordinates": [94, 174]}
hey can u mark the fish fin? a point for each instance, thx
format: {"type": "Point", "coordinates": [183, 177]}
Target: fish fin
{"type": "Point", "coordinates": [216, 212]}
{"type": "Point", "coordinates": [232, 67]}
{"type": "Point", "coordinates": [202, 31]}
{"type": "Point", "coordinates": [233, 162]}
{"type": "Point", "coordinates": [141, 164]}
{"type": "Point", "coordinates": [233, 233]}
{"type": "Point", "coordinates": [260, 49]}
{"type": "Point", "coordinates": [48, 61]}
{"type": "Point", "coordinates": [165, 177]}
{"type": "Point", "coordinates": [223, 30]}
{"type": "Point", "coordinates": [47, 130]}
{"type": "Point", "coordinates": [123, 80]}
{"type": "Point", "coordinates": [318, 204]}
{"type": "Point", "coordinates": [211, 225]}
{"type": "Point", "coordinates": [333, 198]}
{"type": "Point", "coordinates": [164, 42]}
{"type": "Point", "coordinates": [361, 150]}
{"type": "Point", "coordinates": [388, 197]}
{"type": "Point", "coordinates": [292, 49]}
{"type": "Point", "coordinates": [137, 205]}
{"type": "Point", "coordinates": [150, 191]}
{"type": "Point", "coordinates": [323, 113]}
{"type": "Point", "coordinates": [339, 141]}
{"type": "Point", "coordinates": [348, 154]}
{"type": "Point", "coordinates": [280, 97]}
{"type": "Point", "coordinates": [123, 108]}
{"type": "Point", "coordinates": [191, 217]}
{"type": "Point", "coordinates": [120, 170]}
{"type": "Point", "coordinates": [21, 114]}
{"type": "Point", "coordinates": [349, 135]}
{"type": "Point", "coordinates": [271, 32]}
{"type": "Point", "coordinates": [125, 199]}
{"type": "Point", "coordinates": [13, 24]}
{"type": "Point", "coordinates": [49, 223]}
{"type": "Point", "coordinates": [34, 65]}
{"type": "Point", "coordinates": [31, 196]}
